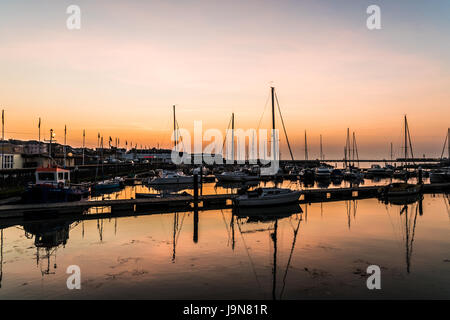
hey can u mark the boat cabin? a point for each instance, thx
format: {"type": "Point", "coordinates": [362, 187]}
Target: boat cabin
{"type": "Point", "coordinates": [52, 176]}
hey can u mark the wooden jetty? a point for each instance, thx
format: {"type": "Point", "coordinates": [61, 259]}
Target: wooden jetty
{"type": "Point", "coordinates": [185, 203]}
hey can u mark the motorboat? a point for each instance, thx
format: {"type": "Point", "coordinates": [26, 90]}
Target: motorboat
{"type": "Point", "coordinates": [235, 176]}
{"type": "Point", "coordinates": [337, 174]}
{"type": "Point", "coordinates": [108, 184]}
{"type": "Point", "coordinates": [401, 174]}
{"type": "Point", "coordinates": [53, 185]}
{"type": "Point", "coordinates": [376, 170]}
{"type": "Point", "coordinates": [267, 197]}
{"type": "Point", "coordinates": [400, 189]}
{"type": "Point", "coordinates": [353, 174]}
{"type": "Point", "coordinates": [440, 175]}
{"type": "Point", "coordinates": [307, 174]}
{"type": "Point", "coordinates": [323, 173]}
{"type": "Point", "coordinates": [170, 177]}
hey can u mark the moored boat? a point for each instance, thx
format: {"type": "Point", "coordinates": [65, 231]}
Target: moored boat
{"type": "Point", "coordinates": [53, 185]}
{"type": "Point", "coordinates": [376, 170]}
{"type": "Point", "coordinates": [323, 173]}
{"type": "Point", "coordinates": [440, 175]}
{"type": "Point", "coordinates": [235, 176]}
{"type": "Point", "coordinates": [169, 177]}
{"type": "Point", "coordinates": [267, 197]}
{"type": "Point", "coordinates": [399, 189]}
{"type": "Point", "coordinates": [115, 183]}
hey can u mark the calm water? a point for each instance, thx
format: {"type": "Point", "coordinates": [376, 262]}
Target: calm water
{"type": "Point", "coordinates": [318, 251]}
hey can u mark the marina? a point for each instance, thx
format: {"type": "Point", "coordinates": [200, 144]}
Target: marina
{"type": "Point", "coordinates": [225, 155]}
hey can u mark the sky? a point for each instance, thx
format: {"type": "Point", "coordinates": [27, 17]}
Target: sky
{"type": "Point", "coordinates": [131, 61]}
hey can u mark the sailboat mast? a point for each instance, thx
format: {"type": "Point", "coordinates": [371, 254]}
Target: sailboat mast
{"type": "Point", "coordinates": [348, 148]}
{"type": "Point", "coordinates": [232, 137]}
{"type": "Point", "coordinates": [175, 128]}
{"type": "Point", "coordinates": [391, 153]}
{"type": "Point", "coordinates": [273, 123]}
{"type": "Point", "coordinates": [321, 151]}
{"type": "Point", "coordinates": [448, 143]}
{"type": "Point", "coordinates": [306, 147]}
{"type": "Point", "coordinates": [84, 143]}
{"type": "Point", "coordinates": [406, 143]}
{"type": "Point", "coordinates": [65, 143]}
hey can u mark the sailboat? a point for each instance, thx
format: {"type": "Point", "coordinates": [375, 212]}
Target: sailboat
{"type": "Point", "coordinates": [237, 175]}
{"type": "Point", "coordinates": [269, 196]}
{"type": "Point", "coordinates": [442, 175]}
{"type": "Point", "coordinates": [352, 173]}
{"type": "Point", "coordinates": [172, 177]}
{"type": "Point", "coordinates": [403, 173]}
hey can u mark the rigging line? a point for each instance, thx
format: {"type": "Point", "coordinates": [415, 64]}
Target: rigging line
{"type": "Point", "coordinates": [290, 257]}
{"type": "Point", "coordinates": [284, 128]}
{"type": "Point", "coordinates": [410, 144]}
{"type": "Point", "coordinates": [445, 144]}
{"type": "Point", "coordinates": [265, 107]}
{"type": "Point", "coordinates": [355, 147]}
{"type": "Point", "coordinates": [225, 138]}
{"type": "Point", "coordinates": [249, 257]}
{"type": "Point", "coordinates": [180, 136]}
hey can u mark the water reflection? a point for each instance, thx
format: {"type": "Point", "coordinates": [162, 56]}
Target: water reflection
{"type": "Point", "coordinates": [288, 256]}
{"type": "Point", "coordinates": [48, 236]}
{"type": "Point", "coordinates": [408, 208]}
{"type": "Point", "coordinates": [269, 215]}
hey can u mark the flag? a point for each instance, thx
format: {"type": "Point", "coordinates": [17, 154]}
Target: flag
{"type": "Point", "coordinates": [84, 133]}
{"type": "Point", "coordinates": [39, 124]}
{"type": "Point", "coordinates": [3, 116]}
{"type": "Point", "coordinates": [98, 135]}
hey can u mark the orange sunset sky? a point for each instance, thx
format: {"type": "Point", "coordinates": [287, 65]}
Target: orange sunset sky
{"type": "Point", "coordinates": [131, 61]}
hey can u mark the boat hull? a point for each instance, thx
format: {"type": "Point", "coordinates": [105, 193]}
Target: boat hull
{"type": "Point", "coordinates": [291, 197]}
{"type": "Point", "coordinates": [178, 180]}
{"type": "Point", "coordinates": [231, 178]}
{"type": "Point", "coordinates": [39, 194]}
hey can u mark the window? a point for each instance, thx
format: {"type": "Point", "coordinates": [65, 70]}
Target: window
{"type": "Point", "coordinates": [46, 176]}
{"type": "Point", "coordinates": [60, 175]}
{"type": "Point", "coordinates": [8, 161]}
{"type": "Point", "coordinates": [66, 176]}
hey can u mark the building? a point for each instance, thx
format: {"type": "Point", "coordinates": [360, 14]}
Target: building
{"type": "Point", "coordinates": [152, 155]}
{"type": "Point", "coordinates": [11, 156]}
{"type": "Point", "coordinates": [34, 147]}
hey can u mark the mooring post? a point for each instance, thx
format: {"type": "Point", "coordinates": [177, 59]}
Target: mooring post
{"type": "Point", "coordinates": [195, 189]}
{"type": "Point", "coordinates": [195, 237]}
{"type": "Point", "coordinates": [201, 180]}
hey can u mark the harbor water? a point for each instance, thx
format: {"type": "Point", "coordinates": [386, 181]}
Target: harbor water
{"type": "Point", "coordinates": [310, 251]}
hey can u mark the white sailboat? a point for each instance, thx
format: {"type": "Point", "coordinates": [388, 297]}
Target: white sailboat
{"type": "Point", "coordinates": [267, 197]}
{"type": "Point", "coordinates": [170, 177]}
